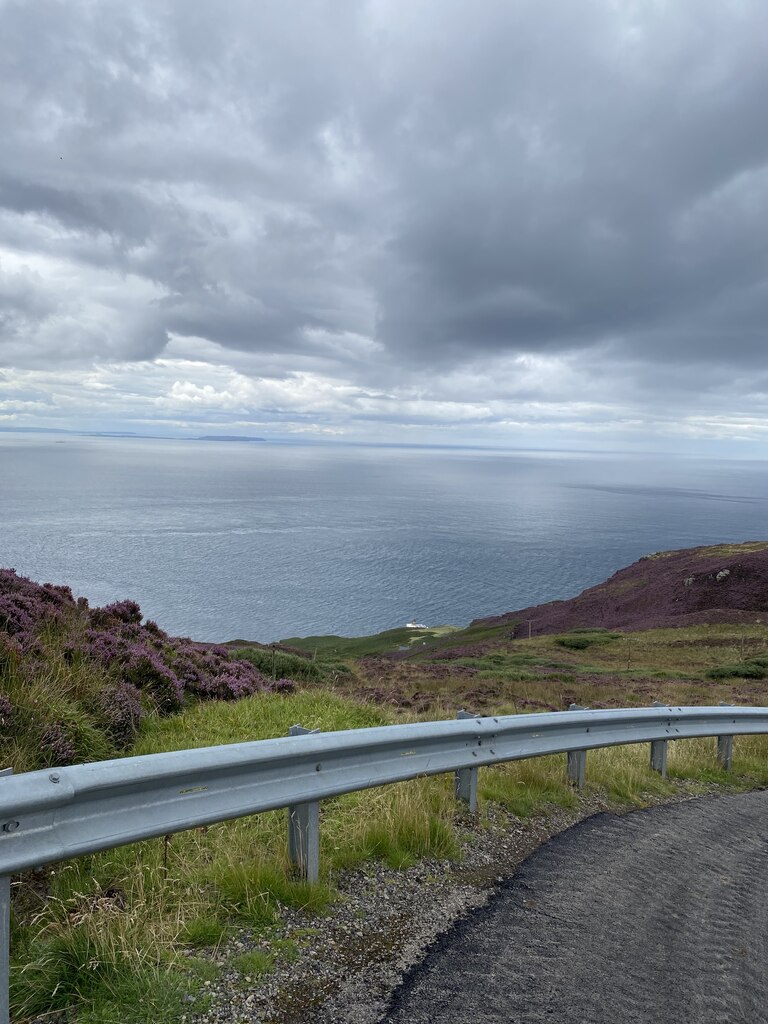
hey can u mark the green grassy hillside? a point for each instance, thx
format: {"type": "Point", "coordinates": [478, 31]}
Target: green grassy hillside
{"type": "Point", "coordinates": [123, 936]}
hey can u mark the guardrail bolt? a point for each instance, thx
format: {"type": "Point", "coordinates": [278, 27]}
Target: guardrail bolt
{"type": "Point", "coordinates": [54, 777]}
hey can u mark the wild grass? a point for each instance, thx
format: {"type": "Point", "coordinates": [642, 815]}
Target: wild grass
{"type": "Point", "coordinates": [132, 910]}
{"type": "Point", "coordinates": [275, 664]}
{"type": "Point", "coordinates": [262, 716]}
{"type": "Point", "coordinates": [691, 665]}
{"type": "Point", "coordinates": [622, 775]}
{"type": "Point", "coordinates": [726, 550]}
{"type": "Point", "coordinates": [688, 651]}
{"type": "Point", "coordinates": [57, 692]}
{"type": "Point", "coordinates": [113, 935]}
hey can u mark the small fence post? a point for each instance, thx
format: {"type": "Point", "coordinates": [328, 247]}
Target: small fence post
{"type": "Point", "coordinates": [725, 746]}
{"type": "Point", "coordinates": [5, 933]}
{"type": "Point", "coordinates": [659, 751]}
{"type": "Point", "coordinates": [465, 779]}
{"type": "Point", "coordinates": [304, 829]}
{"type": "Point", "coordinates": [577, 759]}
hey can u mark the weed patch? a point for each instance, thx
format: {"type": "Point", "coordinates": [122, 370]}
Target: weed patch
{"type": "Point", "coordinates": [274, 664]}
{"type": "Point", "coordinates": [582, 639]}
{"type": "Point", "coordinates": [755, 668]}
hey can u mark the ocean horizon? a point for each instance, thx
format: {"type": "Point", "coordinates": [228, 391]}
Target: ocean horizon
{"type": "Point", "coordinates": [263, 540]}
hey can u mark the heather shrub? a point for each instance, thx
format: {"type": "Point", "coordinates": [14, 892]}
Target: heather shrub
{"type": "Point", "coordinates": [121, 712]}
{"type": "Point", "coordinates": [25, 606]}
{"type": "Point", "coordinates": [10, 653]}
{"type": "Point", "coordinates": [119, 611]}
{"type": "Point", "coordinates": [72, 739]}
{"type": "Point", "coordinates": [81, 680]}
{"type": "Point", "coordinates": [15, 617]}
{"type": "Point", "coordinates": [102, 646]}
{"type": "Point", "coordinates": [146, 670]}
{"type": "Point", "coordinates": [58, 746]}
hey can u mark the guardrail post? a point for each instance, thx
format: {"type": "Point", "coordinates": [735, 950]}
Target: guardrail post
{"type": "Point", "coordinates": [577, 759]}
{"type": "Point", "coordinates": [659, 751]}
{"type": "Point", "coordinates": [5, 936]}
{"type": "Point", "coordinates": [304, 829]}
{"type": "Point", "coordinates": [659, 757]}
{"type": "Point", "coordinates": [465, 779]}
{"type": "Point", "coordinates": [725, 746]}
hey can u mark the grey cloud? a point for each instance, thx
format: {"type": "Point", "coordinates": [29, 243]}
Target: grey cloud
{"type": "Point", "coordinates": [585, 201]}
{"type": "Point", "coordinates": [456, 182]}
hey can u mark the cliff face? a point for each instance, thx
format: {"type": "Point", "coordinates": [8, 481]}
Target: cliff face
{"type": "Point", "coordinates": [726, 583]}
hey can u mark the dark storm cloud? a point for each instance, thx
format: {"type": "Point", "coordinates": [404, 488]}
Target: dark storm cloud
{"type": "Point", "coordinates": [454, 181]}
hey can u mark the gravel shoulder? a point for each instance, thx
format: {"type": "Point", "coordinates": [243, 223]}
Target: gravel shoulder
{"type": "Point", "coordinates": [362, 962]}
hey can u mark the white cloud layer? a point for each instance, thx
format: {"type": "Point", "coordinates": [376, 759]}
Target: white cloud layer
{"type": "Point", "coordinates": [529, 223]}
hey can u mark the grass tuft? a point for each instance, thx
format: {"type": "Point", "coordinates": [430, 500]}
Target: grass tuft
{"type": "Point", "coordinates": [254, 964]}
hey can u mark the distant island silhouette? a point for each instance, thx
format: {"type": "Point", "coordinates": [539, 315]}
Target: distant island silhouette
{"type": "Point", "coordinates": [228, 437]}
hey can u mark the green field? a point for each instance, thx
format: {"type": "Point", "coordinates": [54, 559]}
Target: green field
{"type": "Point", "coordinates": [122, 936]}
{"type": "Point", "coordinates": [338, 647]}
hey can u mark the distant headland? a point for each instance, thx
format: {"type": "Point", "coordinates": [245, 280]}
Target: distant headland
{"type": "Point", "coordinates": [228, 437]}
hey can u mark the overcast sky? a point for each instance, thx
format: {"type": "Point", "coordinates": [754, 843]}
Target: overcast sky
{"type": "Point", "coordinates": [506, 222]}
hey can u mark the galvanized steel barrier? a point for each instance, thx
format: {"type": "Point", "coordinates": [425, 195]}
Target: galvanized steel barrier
{"type": "Point", "coordinates": [67, 812]}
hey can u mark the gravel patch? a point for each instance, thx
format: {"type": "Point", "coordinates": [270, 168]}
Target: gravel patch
{"type": "Point", "coordinates": [342, 966]}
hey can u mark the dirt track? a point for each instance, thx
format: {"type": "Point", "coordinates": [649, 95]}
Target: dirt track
{"type": "Point", "coordinates": [660, 916]}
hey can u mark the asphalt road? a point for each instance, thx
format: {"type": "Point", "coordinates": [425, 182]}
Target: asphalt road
{"type": "Point", "coordinates": [657, 916]}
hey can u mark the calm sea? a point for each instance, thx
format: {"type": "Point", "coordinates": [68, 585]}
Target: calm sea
{"type": "Point", "coordinates": [222, 540]}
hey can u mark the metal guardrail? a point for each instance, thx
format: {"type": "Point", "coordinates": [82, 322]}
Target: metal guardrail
{"type": "Point", "coordinates": [67, 812]}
